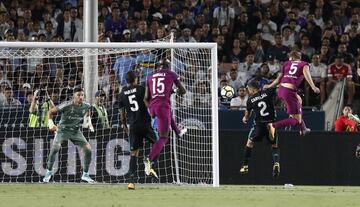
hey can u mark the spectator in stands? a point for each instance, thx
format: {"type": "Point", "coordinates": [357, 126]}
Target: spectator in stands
{"type": "Point", "coordinates": [278, 50]}
{"type": "Point", "coordinates": [224, 15]}
{"type": "Point", "coordinates": [258, 77]}
{"type": "Point", "coordinates": [325, 54]}
{"type": "Point", "coordinates": [9, 100]}
{"type": "Point", "coordinates": [318, 73]}
{"type": "Point", "coordinates": [338, 71]}
{"type": "Point", "coordinates": [99, 115]}
{"type": "Point", "coordinates": [288, 38]}
{"type": "Point", "coordinates": [188, 21]}
{"type": "Point", "coordinates": [124, 64]}
{"type": "Point", "coordinates": [239, 102]}
{"type": "Point", "coordinates": [21, 93]}
{"type": "Point", "coordinates": [247, 69]}
{"type": "Point", "coordinates": [267, 27]}
{"type": "Point", "coordinates": [186, 36]}
{"type": "Point", "coordinates": [145, 64]}
{"type": "Point", "coordinates": [67, 92]}
{"type": "Point", "coordinates": [55, 96]}
{"type": "Point", "coordinates": [233, 81]}
{"type": "Point", "coordinates": [142, 33]}
{"type": "Point", "coordinates": [236, 52]}
{"type": "Point", "coordinates": [40, 105]}
{"type": "Point", "coordinates": [4, 26]}
{"type": "Point", "coordinates": [103, 76]}
{"type": "Point", "coordinates": [66, 28]}
{"type": "Point", "coordinates": [306, 48]}
{"type": "Point", "coordinates": [49, 31]}
{"type": "Point", "coordinates": [255, 48]}
{"type": "Point", "coordinates": [343, 123]}
{"type": "Point", "coordinates": [348, 57]}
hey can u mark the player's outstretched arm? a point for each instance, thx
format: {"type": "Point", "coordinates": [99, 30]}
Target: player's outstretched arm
{"type": "Point", "coordinates": [275, 82]}
{"type": "Point", "coordinates": [147, 96]}
{"type": "Point", "coordinates": [52, 126]}
{"type": "Point", "coordinates": [180, 88]}
{"type": "Point", "coordinates": [307, 75]}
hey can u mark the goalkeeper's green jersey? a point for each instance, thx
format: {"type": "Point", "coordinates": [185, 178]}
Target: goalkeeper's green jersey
{"type": "Point", "coordinates": [72, 116]}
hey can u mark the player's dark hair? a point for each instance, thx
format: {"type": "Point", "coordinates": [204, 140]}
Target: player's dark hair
{"type": "Point", "coordinates": [78, 89]}
{"type": "Point", "coordinates": [130, 77]}
{"type": "Point", "coordinates": [253, 84]}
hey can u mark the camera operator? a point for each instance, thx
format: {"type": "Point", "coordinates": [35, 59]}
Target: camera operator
{"type": "Point", "coordinates": [40, 105]}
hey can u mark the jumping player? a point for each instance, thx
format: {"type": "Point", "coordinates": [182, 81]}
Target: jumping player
{"type": "Point", "coordinates": [290, 78]}
{"type": "Point", "coordinates": [261, 103]}
{"type": "Point", "coordinates": [159, 88]}
{"type": "Point", "coordinates": [132, 106]}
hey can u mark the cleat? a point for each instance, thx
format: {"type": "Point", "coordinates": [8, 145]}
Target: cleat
{"type": "Point", "coordinates": [86, 177]}
{"type": "Point", "coordinates": [182, 132]}
{"type": "Point", "coordinates": [305, 131]}
{"type": "Point", "coordinates": [244, 169]}
{"type": "Point", "coordinates": [147, 164]}
{"type": "Point", "coordinates": [131, 186]}
{"type": "Point", "coordinates": [276, 170]}
{"type": "Point", "coordinates": [153, 174]}
{"type": "Point", "coordinates": [357, 153]}
{"type": "Point", "coordinates": [272, 131]}
{"type": "Point", "coordinates": [47, 177]}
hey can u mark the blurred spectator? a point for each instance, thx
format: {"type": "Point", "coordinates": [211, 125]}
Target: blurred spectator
{"type": "Point", "coordinates": [343, 123]}
{"type": "Point", "coordinates": [255, 48]}
{"type": "Point", "coordinates": [236, 53]}
{"type": "Point", "coordinates": [142, 33]}
{"type": "Point", "coordinates": [126, 36]}
{"type": "Point", "coordinates": [239, 102]}
{"type": "Point", "coordinates": [21, 93]}
{"type": "Point", "coordinates": [67, 92]}
{"type": "Point", "coordinates": [124, 64]}
{"type": "Point", "coordinates": [116, 24]}
{"type": "Point", "coordinates": [233, 81]}
{"type": "Point", "coordinates": [267, 27]}
{"type": "Point", "coordinates": [9, 100]}
{"type": "Point", "coordinates": [99, 115]}
{"type": "Point", "coordinates": [305, 47]}
{"type": "Point", "coordinates": [224, 15]}
{"type": "Point", "coordinates": [325, 54]}
{"type": "Point", "coordinates": [186, 36]}
{"type": "Point", "coordinates": [288, 38]}
{"type": "Point", "coordinates": [145, 64]}
{"type": "Point", "coordinates": [338, 71]}
{"type": "Point", "coordinates": [318, 73]}
{"type": "Point", "coordinates": [242, 24]}
{"type": "Point", "coordinates": [258, 77]}
{"type": "Point", "coordinates": [247, 69]}
{"type": "Point", "coordinates": [103, 77]}
{"type": "Point", "coordinates": [187, 20]}
{"type": "Point", "coordinates": [278, 50]}
{"type": "Point", "coordinates": [40, 105]}
{"type": "Point", "coordinates": [4, 26]}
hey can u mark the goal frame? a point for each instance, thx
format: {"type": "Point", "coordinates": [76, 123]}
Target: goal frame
{"type": "Point", "coordinates": [154, 45]}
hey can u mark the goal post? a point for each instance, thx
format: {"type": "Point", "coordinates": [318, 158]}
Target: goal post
{"type": "Point", "coordinates": [197, 154]}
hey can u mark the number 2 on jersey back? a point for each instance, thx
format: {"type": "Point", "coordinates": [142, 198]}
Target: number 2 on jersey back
{"type": "Point", "coordinates": [158, 85]}
{"type": "Point", "coordinates": [263, 107]}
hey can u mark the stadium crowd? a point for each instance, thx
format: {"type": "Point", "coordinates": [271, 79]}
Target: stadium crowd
{"type": "Point", "coordinates": [253, 38]}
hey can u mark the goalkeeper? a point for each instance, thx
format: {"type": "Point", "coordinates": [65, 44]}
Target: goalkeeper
{"type": "Point", "coordinates": [72, 115]}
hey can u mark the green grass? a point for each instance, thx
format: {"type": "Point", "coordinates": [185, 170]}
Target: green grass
{"type": "Point", "coordinates": [40, 195]}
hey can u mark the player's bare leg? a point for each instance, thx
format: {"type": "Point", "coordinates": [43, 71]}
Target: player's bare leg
{"type": "Point", "coordinates": [247, 155]}
{"type": "Point", "coordinates": [85, 176]}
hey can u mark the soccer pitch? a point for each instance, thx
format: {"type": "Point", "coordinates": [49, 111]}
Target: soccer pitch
{"type": "Point", "coordinates": [46, 195]}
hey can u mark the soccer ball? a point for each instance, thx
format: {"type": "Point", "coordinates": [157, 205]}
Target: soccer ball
{"type": "Point", "coordinates": [227, 92]}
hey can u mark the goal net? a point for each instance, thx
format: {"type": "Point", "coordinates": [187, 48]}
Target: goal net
{"type": "Point", "coordinates": [54, 69]}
